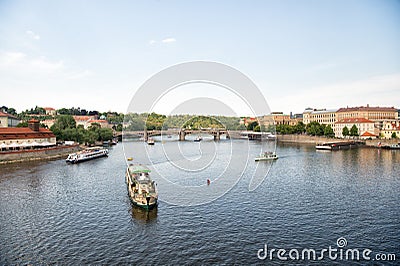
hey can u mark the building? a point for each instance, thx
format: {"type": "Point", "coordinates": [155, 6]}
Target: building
{"type": "Point", "coordinates": [278, 118]}
{"type": "Point", "coordinates": [103, 123]}
{"type": "Point", "coordinates": [8, 120]}
{"type": "Point", "coordinates": [20, 138]}
{"type": "Point", "coordinates": [376, 114]}
{"type": "Point", "coordinates": [247, 120]}
{"type": "Point", "coordinates": [87, 120]}
{"type": "Point", "coordinates": [365, 127]}
{"type": "Point", "coordinates": [322, 116]}
{"type": "Point", "coordinates": [390, 127]}
{"type": "Point", "coordinates": [50, 111]}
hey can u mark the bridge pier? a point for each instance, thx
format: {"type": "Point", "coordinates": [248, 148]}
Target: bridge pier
{"type": "Point", "coordinates": [217, 135]}
{"type": "Point", "coordinates": [182, 135]}
{"type": "Point", "coordinates": [145, 135]}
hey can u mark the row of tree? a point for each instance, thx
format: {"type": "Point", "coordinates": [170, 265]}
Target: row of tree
{"type": "Point", "coordinates": [155, 121]}
{"type": "Point", "coordinates": [65, 129]}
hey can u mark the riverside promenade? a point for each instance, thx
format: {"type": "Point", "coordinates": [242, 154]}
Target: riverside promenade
{"type": "Point", "coordinates": [306, 139]}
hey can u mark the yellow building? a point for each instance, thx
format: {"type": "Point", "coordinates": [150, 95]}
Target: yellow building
{"type": "Point", "coordinates": [367, 112]}
{"type": "Point", "coordinates": [390, 127]}
{"type": "Point", "coordinates": [277, 118]}
{"type": "Point", "coordinates": [322, 116]}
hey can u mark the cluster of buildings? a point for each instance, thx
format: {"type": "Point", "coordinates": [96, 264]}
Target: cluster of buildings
{"type": "Point", "coordinates": [14, 138]}
{"type": "Point", "coordinates": [23, 138]}
{"type": "Point", "coordinates": [371, 122]}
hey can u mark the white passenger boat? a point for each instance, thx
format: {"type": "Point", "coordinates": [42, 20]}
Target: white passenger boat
{"type": "Point", "coordinates": [87, 154]}
{"type": "Point", "coordinates": [142, 190]}
{"type": "Point", "coordinates": [266, 156]}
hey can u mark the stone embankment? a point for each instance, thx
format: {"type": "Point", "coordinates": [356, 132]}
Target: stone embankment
{"type": "Point", "coordinates": [36, 155]}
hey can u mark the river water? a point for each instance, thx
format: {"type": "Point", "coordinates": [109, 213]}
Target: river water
{"type": "Point", "coordinates": [54, 213]}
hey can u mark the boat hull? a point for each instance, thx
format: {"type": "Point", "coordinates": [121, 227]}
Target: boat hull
{"type": "Point", "coordinates": [265, 159]}
{"type": "Point", "coordinates": [144, 206]}
{"type": "Point", "coordinates": [86, 159]}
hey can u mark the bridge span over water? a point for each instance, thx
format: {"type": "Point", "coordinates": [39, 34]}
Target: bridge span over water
{"type": "Point", "coordinates": [145, 134]}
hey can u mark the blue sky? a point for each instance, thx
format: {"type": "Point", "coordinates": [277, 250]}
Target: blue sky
{"type": "Point", "coordinates": [95, 54]}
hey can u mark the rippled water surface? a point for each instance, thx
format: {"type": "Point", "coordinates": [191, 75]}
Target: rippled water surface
{"type": "Point", "coordinates": [54, 213]}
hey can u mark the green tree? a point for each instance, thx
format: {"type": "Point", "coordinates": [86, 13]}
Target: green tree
{"type": "Point", "coordinates": [394, 135]}
{"type": "Point", "coordinates": [241, 127]}
{"type": "Point", "coordinates": [314, 129]}
{"type": "Point", "coordinates": [328, 132]}
{"type": "Point", "coordinates": [257, 128]}
{"type": "Point", "coordinates": [23, 124]}
{"type": "Point", "coordinates": [90, 137]}
{"type": "Point", "coordinates": [354, 131]}
{"type": "Point", "coordinates": [345, 131]}
{"type": "Point", "coordinates": [105, 134]}
{"type": "Point", "coordinates": [300, 128]}
{"type": "Point", "coordinates": [64, 121]}
{"type": "Point", "coordinates": [252, 125]}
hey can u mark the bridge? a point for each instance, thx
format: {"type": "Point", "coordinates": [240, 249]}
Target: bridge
{"type": "Point", "coordinates": [145, 134]}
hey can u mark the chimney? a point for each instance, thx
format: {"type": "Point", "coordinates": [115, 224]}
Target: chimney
{"type": "Point", "coordinates": [33, 124]}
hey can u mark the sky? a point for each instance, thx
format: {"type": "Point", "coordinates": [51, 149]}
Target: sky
{"type": "Point", "coordinates": [96, 54]}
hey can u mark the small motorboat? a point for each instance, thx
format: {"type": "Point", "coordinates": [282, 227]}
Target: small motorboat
{"type": "Point", "coordinates": [150, 141]}
{"type": "Point", "coordinates": [266, 156]}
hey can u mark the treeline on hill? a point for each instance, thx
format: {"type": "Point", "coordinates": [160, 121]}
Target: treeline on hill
{"type": "Point", "coordinates": [153, 121]}
{"type": "Point", "coordinates": [65, 129]}
{"type": "Point", "coordinates": [114, 118]}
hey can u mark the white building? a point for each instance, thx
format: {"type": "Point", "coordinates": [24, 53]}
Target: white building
{"type": "Point", "coordinates": [365, 127]}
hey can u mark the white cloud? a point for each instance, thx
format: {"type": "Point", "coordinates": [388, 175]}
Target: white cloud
{"type": "Point", "coordinates": [33, 35]}
{"type": "Point", "coordinates": [19, 63]}
{"type": "Point", "coordinates": [168, 40]}
{"type": "Point", "coordinates": [152, 42]}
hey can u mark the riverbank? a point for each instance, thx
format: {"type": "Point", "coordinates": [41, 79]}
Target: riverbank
{"type": "Point", "coordinates": [306, 139]}
{"type": "Point", "coordinates": [38, 154]}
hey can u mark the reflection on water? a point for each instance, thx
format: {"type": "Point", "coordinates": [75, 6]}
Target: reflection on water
{"type": "Point", "coordinates": [54, 213]}
{"type": "Point", "coordinates": [143, 216]}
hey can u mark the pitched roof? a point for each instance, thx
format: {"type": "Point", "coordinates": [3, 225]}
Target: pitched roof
{"type": "Point", "coordinates": [7, 133]}
{"type": "Point", "coordinates": [49, 108]}
{"type": "Point", "coordinates": [353, 121]}
{"type": "Point", "coordinates": [367, 108]}
{"type": "Point", "coordinates": [367, 134]}
{"type": "Point", "coordinates": [7, 115]}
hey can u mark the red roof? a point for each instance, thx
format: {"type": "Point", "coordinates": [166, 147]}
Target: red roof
{"type": "Point", "coordinates": [7, 133]}
{"type": "Point", "coordinates": [367, 108]}
{"type": "Point", "coordinates": [98, 121]}
{"type": "Point", "coordinates": [49, 108]}
{"type": "Point", "coordinates": [7, 115]}
{"type": "Point", "coordinates": [353, 121]}
{"type": "Point", "coordinates": [367, 134]}
{"type": "Point", "coordinates": [82, 117]}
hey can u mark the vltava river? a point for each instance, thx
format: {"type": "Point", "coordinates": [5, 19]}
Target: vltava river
{"type": "Point", "coordinates": [54, 213]}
